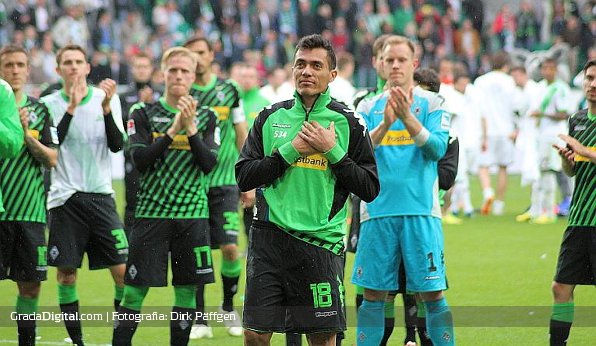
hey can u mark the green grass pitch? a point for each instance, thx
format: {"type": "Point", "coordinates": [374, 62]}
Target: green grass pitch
{"type": "Point", "coordinates": [499, 275]}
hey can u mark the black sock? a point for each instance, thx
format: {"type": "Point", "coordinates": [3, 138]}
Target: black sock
{"type": "Point", "coordinates": [116, 304]}
{"type": "Point", "coordinates": [26, 331]}
{"type": "Point", "coordinates": [422, 333]}
{"type": "Point", "coordinates": [200, 304]}
{"type": "Point", "coordinates": [125, 326]}
{"type": "Point", "coordinates": [293, 339]}
{"type": "Point", "coordinates": [180, 326]}
{"type": "Point", "coordinates": [389, 325]}
{"type": "Point", "coordinates": [339, 337]}
{"type": "Point", "coordinates": [559, 332]}
{"type": "Point", "coordinates": [73, 325]}
{"type": "Point", "coordinates": [410, 317]}
{"type": "Point", "coordinates": [359, 299]}
{"type": "Point", "coordinates": [230, 287]}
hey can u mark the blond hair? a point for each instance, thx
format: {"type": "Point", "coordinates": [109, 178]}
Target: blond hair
{"type": "Point", "coordinates": [178, 51]}
{"type": "Point", "coordinates": [394, 40]}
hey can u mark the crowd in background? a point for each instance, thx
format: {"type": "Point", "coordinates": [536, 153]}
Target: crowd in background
{"type": "Point", "coordinates": [264, 33]}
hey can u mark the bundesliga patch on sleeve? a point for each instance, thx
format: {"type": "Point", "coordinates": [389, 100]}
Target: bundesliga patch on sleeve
{"type": "Point", "coordinates": [130, 127]}
{"type": "Point", "coordinates": [445, 121]}
{"type": "Point", "coordinates": [54, 135]}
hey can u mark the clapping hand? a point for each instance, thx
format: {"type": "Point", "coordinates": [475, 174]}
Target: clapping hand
{"type": "Point", "coordinates": [109, 88]}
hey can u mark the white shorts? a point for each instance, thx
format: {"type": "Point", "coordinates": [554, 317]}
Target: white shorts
{"type": "Point", "coordinates": [500, 152]}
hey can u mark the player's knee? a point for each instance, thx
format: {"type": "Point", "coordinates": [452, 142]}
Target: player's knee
{"type": "Point", "coordinates": [229, 252]}
{"type": "Point", "coordinates": [29, 289]}
{"type": "Point", "coordinates": [117, 272]}
{"type": "Point", "coordinates": [67, 276]}
{"type": "Point", "coordinates": [431, 296]}
{"type": "Point", "coordinates": [374, 295]}
{"type": "Point", "coordinates": [322, 339]}
{"type": "Point", "coordinates": [562, 292]}
{"type": "Point", "coordinates": [252, 338]}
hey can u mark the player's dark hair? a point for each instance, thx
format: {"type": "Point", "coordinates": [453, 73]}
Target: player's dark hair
{"type": "Point", "coordinates": [427, 79]}
{"type": "Point", "coordinates": [589, 64]}
{"type": "Point", "coordinates": [318, 41]}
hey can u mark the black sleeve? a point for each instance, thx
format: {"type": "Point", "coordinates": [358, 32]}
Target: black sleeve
{"type": "Point", "coordinates": [357, 171]}
{"type": "Point", "coordinates": [63, 127]}
{"type": "Point", "coordinates": [113, 134]}
{"type": "Point", "coordinates": [45, 137]}
{"type": "Point", "coordinates": [253, 168]}
{"type": "Point", "coordinates": [447, 166]}
{"type": "Point", "coordinates": [204, 150]}
{"type": "Point", "coordinates": [144, 151]}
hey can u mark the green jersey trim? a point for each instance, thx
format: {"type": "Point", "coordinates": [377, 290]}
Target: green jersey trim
{"type": "Point", "coordinates": [207, 86]}
{"type": "Point", "coordinates": [85, 99]}
{"type": "Point", "coordinates": [165, 105]}
{"type": "Point", "coordinates": [23, 101]}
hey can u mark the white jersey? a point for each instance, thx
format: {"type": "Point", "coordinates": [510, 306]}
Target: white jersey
{"type": "Point", "coordinates": [84, 163]}
{"type": "Point", "coordinates": [553, 98]}
{"type": "Point", "coordinates": [343, 91]}
{"type": "Point", "coordinates": [499, 97]}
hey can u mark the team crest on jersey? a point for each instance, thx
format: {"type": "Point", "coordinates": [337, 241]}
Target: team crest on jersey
{"type": "Point", "coordinates": [33, 117]}
{"type": "Point", "coordinates": [54, 135]}
{"type": "Point", "coordinates": [130, 127]}
{"type": "Point", "coordinates": [220, 95]}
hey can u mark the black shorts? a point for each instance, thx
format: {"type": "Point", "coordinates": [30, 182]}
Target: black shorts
{"type": "Point", "coordinates": [354, 225]}
{"type": "Point", "coordinates": [577, 259]}
{"type": "Point", "coordinates": [186, 241]}
{"type": "Point", "coordinates": [87, 222]}
{"type": "Point", "coordinates": [291, 286]}
{"type": "Point", "coordinates": [23, 251]}
{"type": "Point", "coordinates": [224, 219]}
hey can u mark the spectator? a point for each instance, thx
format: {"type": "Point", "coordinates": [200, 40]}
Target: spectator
{"type": "Point", "coordinates": [44, 16]}
{"type": "Point", "coordinates": [22, 15]}
{"type": "Point", "coordinates": [526, 34]}
{"type": "Point", "coordinates": [348, 10]}
{"type": "Point", "coordinates": [3, 23]}
{"type": "Point", "coordinates": [277, 88]}
{"type": "Point", "coordinates": [342, 89]}
{"type": "Point", "coordinates": [119, 70]}
{"type": "Point", "coordinates": [467, 40]}
{"type": "Point", "coordinates": [306, 20]}
{"type": "Point", "coordinates": [133, 31]}
{"type": "Point", "coordinates": [341, 39]}
{"type": "Point", "coordinates": [287, 18]}
{"type": "Point", "coordinates": [103, 37]}
{"type": "Point", "coordinates": [324, 18]}
{"type": "Point", "coordinates": [474, 10]}
{"type": "Point", "coordinates": [403, 16]}
{"type": "Point", "coordinates": [447, 34]}
{"type": "Point", "coordinates": [504, 27]}
{"type": "Point", "coordinates": [71, 28]}
{"type": "Point", "coordinates": [558, 19]}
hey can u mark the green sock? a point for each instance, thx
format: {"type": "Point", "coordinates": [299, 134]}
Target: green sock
{"type": "Point", "coordinates": [185, 296]}
{"type": "Point", "coordinates": [421, 310]}
{"type": "Point", "coordinates": [389, 309]}
{"type": "Point", "coordinates": [133, 297]}
{"type": "Point", "coordinates": [230, 275]}
{"type": "Point", "coordinates": [26, 305]}
{"type": "Point", "coordinates": [118, 292]}
{"type": "Point", "coordinates": [563, 312]}
{"type": "Point", "coordinates": [231, 269]}
{"type": "Point", "coordinates": [67, 294]}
